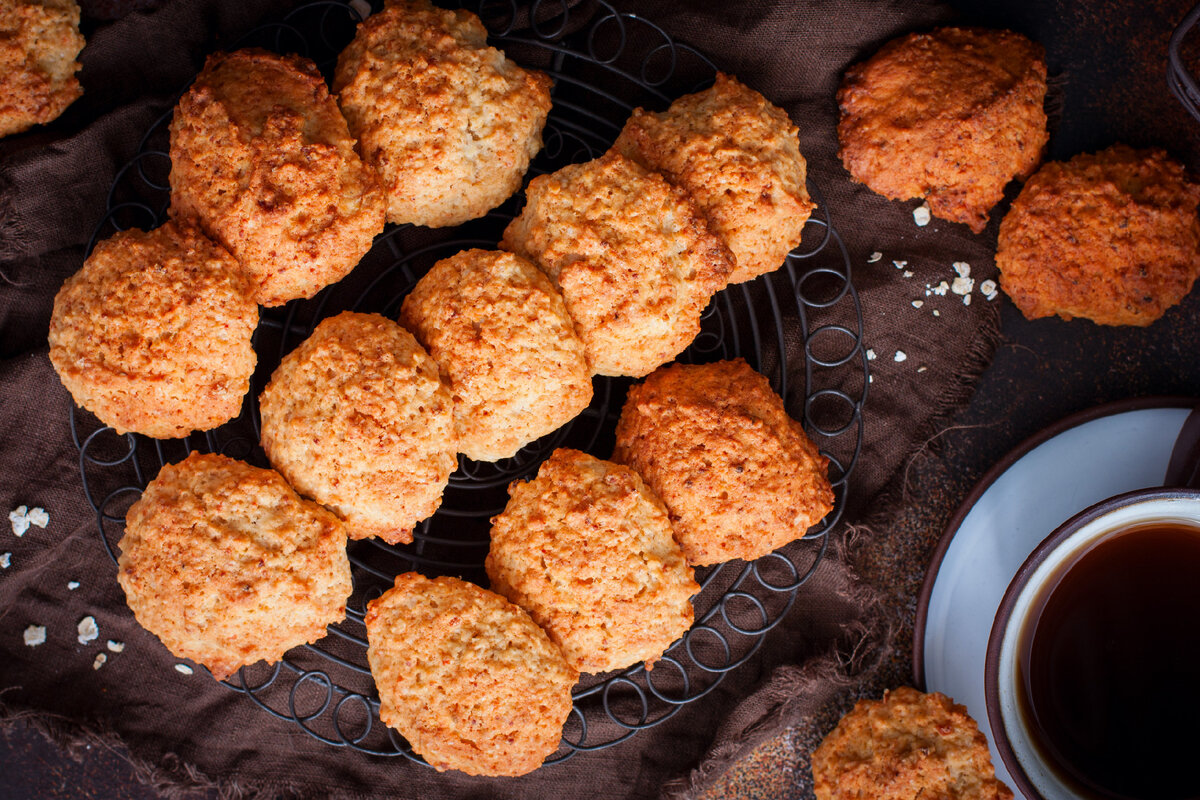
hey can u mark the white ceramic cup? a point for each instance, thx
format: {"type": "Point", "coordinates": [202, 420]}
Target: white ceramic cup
{"type": "Point", "coordinates": [1011, 731]}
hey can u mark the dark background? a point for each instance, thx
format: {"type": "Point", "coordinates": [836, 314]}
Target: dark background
{"type": "Point", "coordinates": [1107, 64]}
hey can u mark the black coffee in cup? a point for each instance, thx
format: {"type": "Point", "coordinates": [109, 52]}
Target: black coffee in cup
{"type": "Point", "coordinates": [1108, 666]}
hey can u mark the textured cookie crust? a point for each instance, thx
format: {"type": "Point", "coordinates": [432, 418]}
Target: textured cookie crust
{"type": "Point", "coordinates": [39, 40]}
{"type": "Point", "coordinates": [449, 122]}
{"type": "Point", "coordinates": [153, 334]}
{"type": "Point", "coordinates": [226, 564]}
{"type": "Point", "coordinates": [262, 158]}
{"type": "Point", "coordinates": [1112, 237]}
{"type": "Point", "coordinates": [586, 548]}
{"type": "Point", "coordinates": [358, 419]}
{"type": "Point", "coordinates": [467, 677]}
{"type": "Point", "coordinates": [631, 254]}
{"type": "Point", "coordinates": [500, 333]}
{"type": "Point", "coordinates": [951, 116]}
{"type": "Point", "coordinates": [907, 746]}
{"type": "Point", "coordinates": [739, 477]}
{"type": "Point", "coordinates": [739, 158]}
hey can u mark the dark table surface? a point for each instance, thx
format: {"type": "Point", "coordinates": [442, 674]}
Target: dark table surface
{"type": "Point", "coordinates": [1108, 58]}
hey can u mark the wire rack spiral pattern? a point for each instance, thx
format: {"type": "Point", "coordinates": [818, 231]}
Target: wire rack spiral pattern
{"type": "Point", "coordinates": [604, 64]}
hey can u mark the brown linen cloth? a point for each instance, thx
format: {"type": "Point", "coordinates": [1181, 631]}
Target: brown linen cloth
{"type": "Point", "coordinates": [186, 730]}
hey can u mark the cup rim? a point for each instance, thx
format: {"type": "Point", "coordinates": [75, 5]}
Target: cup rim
{"type": "Point", "coordinates": [1008, 602]}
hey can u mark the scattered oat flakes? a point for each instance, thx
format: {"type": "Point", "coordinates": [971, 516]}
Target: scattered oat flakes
{"type": "Point", "coordinates": [876, 256]}
{"type": "Point", "coordinates": [87, 630]}
{"type": "Point", "coordinates": [908, 273]}
{"type": "Point", "coordinates": [35, 635]}
{"type": "Point", "coordinates": [966, 299]}
{"type": "Point", "coordinates": [901, 355]}
{"type": "Point", "coordinates": [988, 288]}
{"type": "Point", "coordinates": [183, 669]}
{"type": "Point", "coordinates": [962, 268]}
{"type": "Point", "coordinates": [5, 560]}
{"type": "Point", "coordinates": [115, 647]}
{"type": "Point", "coordinates": [870, 354]}
{"type": "Point", "coordinates": [922, 369]}
{"type": "Point", "coordinates": [937, 313]}
{"type": "Point", "coordinates": [921, 215]}
{"type": "Point", "coordinates": [72, 585]}
{"type": "Point", "coordinates": [918, 303]}
{"type": "Point", "coordinates": [899, 264]}
{"type": "Point", "coordinates": [99, 662]}
{"type": "Point", "coordinates": [39, 517]}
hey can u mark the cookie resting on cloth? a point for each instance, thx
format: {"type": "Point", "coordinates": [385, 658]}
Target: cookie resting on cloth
{"type": "Point", "coordinates": [500, 334]}
{"type": "Point", "coordinates": [358, 419]}
{"type": "Point", "coordinates": [1111, 237]}
{"type": "Point", "coordinates": [39, 42]}
{"type": "Point", "coordinates": [262, 159]}
{"type": "Point", "coordinates": [631, 254]}
{"type": "Point", "coordinates": [907, 746]}
{"type": "Point", "coordinates": [450, 123]}
{"type": "Point", "coordinates": [586, 548]}
{"type": "Point", "coordinates": [738, 156]}
{"type": "Point", "coordinates": [739, 477]}
{"type": "Point", "coordinates": [228, 566]}
{"type": "Point", "coordinates": [153, 333]}
{"type": "Point", "coordinates": [466, 677]}
{"type": "Point", "coordinates": [951, 116]}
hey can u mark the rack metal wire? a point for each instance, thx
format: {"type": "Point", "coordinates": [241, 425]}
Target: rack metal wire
{"type": "Point", "coordinates": [1180, 80]}
{"type": "Point", "coordinates": [801, 326]}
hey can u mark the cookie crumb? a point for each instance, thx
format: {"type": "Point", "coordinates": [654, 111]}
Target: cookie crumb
{"type": "Point", "coordinates": [921, 215]}
{"type": "Point", "coordinates": [99, 662]}
{"type": "Point", "coordinates": [35, 635]}
{"type": "Point", "coordinates": [87, 630]}
{"type": "Point", "coordinates": [901, 355]}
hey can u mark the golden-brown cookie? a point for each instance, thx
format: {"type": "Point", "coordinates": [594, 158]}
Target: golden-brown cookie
{"type": "Point", "coordinates": [358, 419]}
{"type": "Point", "coordinates": [1112, 237]}
{"type": "Point", "coordinates": [467, 677]}
{"type": "Point", "coordinates": [39, 40]}
{"type": "Point", "coordinates": [739, 158]}
{"type": "Point", "coordinates": [262, 158]}
{"type": "Point", "coordinates": [739, 477]}
{"type": "Point", "coordinates": [586, 548]}
{"type": "Point", "coordinates": [500, 333]}
{"type": "Point", "coordinates": [951, 116]}
{"type": "Point", "coordinates": [153, 334]}
{"type": "Point", "coordinates": [631, 254]}
{"type": "Point", "coordinates": [450, 123]}
{"type": "Point", "coordinates": [226, 564]}
{"type": "Point", "coordinates": [907, 746]}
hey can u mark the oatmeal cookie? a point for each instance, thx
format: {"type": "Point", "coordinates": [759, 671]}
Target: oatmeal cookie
{"type": "Point", "coordinates": [739, 477]}
{"type": "Point", "coordinates": [153, 334]}
{"type": "Point", "coordinates": [907, 746]}
{"type": "Point", "coordinates": [39, 42]}
{"type": "Point", "coordinates": [631, 254]}
{"type": "Point", "coordinates": [467, 677]}
{"type": "Point", "coordinates": [586, 549]}
{"type": "Point", "coordinates": [951, 116]}
{"type": "Point", "coordinates": [1111, 237]}
{"type": "Point", "coordinates": [358, 419]}
{"type": "Point", "coordinates": [739, 158]}
{"type": "Point", "coordinates": [450, 123]}
{"type": "Point", "coordinates": [262, 158]}
{"type": "Point", "coordinates": [500, 333]}
{"type": "Point", "coordinates": [227, 566]}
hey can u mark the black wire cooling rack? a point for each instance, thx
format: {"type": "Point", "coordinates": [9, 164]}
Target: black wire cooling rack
{"type": "Point", "coordinates": [801, 326]}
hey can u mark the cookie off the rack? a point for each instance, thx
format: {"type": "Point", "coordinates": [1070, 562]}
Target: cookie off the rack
{"type": "Point", "coordinates": [449, 122]}
{"type": "Point", "coordinates": [39, 43]}
{"type": "Point", "coordinates": [631, 254]}
{"type": "Point", "coordinates": [227, 565]}
{"type": "Point", "coordinates": [357, 418]}
{"type": "Point", "coordinates": [739, 477]}
{"type": "Point", "coordinates": [153, 334]}
{"type": "Point", "coordinates": [586, 548]}
{"type": "Point", "coordinates": [501, 336]}
{"type": "Point", "coordinates": [467, 677]}
{"type": "Point", "coordinates": [262, 158]}
{"type": "Point", "coordinates": [738, 156]}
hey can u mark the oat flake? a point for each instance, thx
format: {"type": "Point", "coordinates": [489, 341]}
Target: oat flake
{"type": "Point", "coordinates": [921, 215]}
{"type": "Point", "coordinates": [937, 313]}
{"type": "Point", "coordinates": [901, 355]}
{"type": "Point", "coordinates": [870, 354]}
{"type": "Point", "coordinates": [19, 520]}
{"type": "Point", "coordinates": [962, 268]}
{"type": "Point", "coordinates": [966, 300]}
{"type": "Point", "coordinates": [183, 669]}
{"type": "Point", "coordinates": [876, 256]}
{"type": "Point", "coordinates": [39, 517]}
{"type": "Point", "coordinates": [99, 662]}
{"type": "Point", "coordinates": [115, 647]}
{"type": "Point", "coordinates": [918, 303]}
{"type": "Point", "coordinates": [908, 273]}
{"type": "Point", "coordinates": [72, 585]}
{"type": "Point", "coordinates": [962, 286]}
{"type": "Point", "coordinates": [35, 635]}
{"type": "Point", "coordinates": [87, 630]}
{"type": "Point", "coordinates": [5, 560]}
{"type": "Point", "coordinates": [899, 264]}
